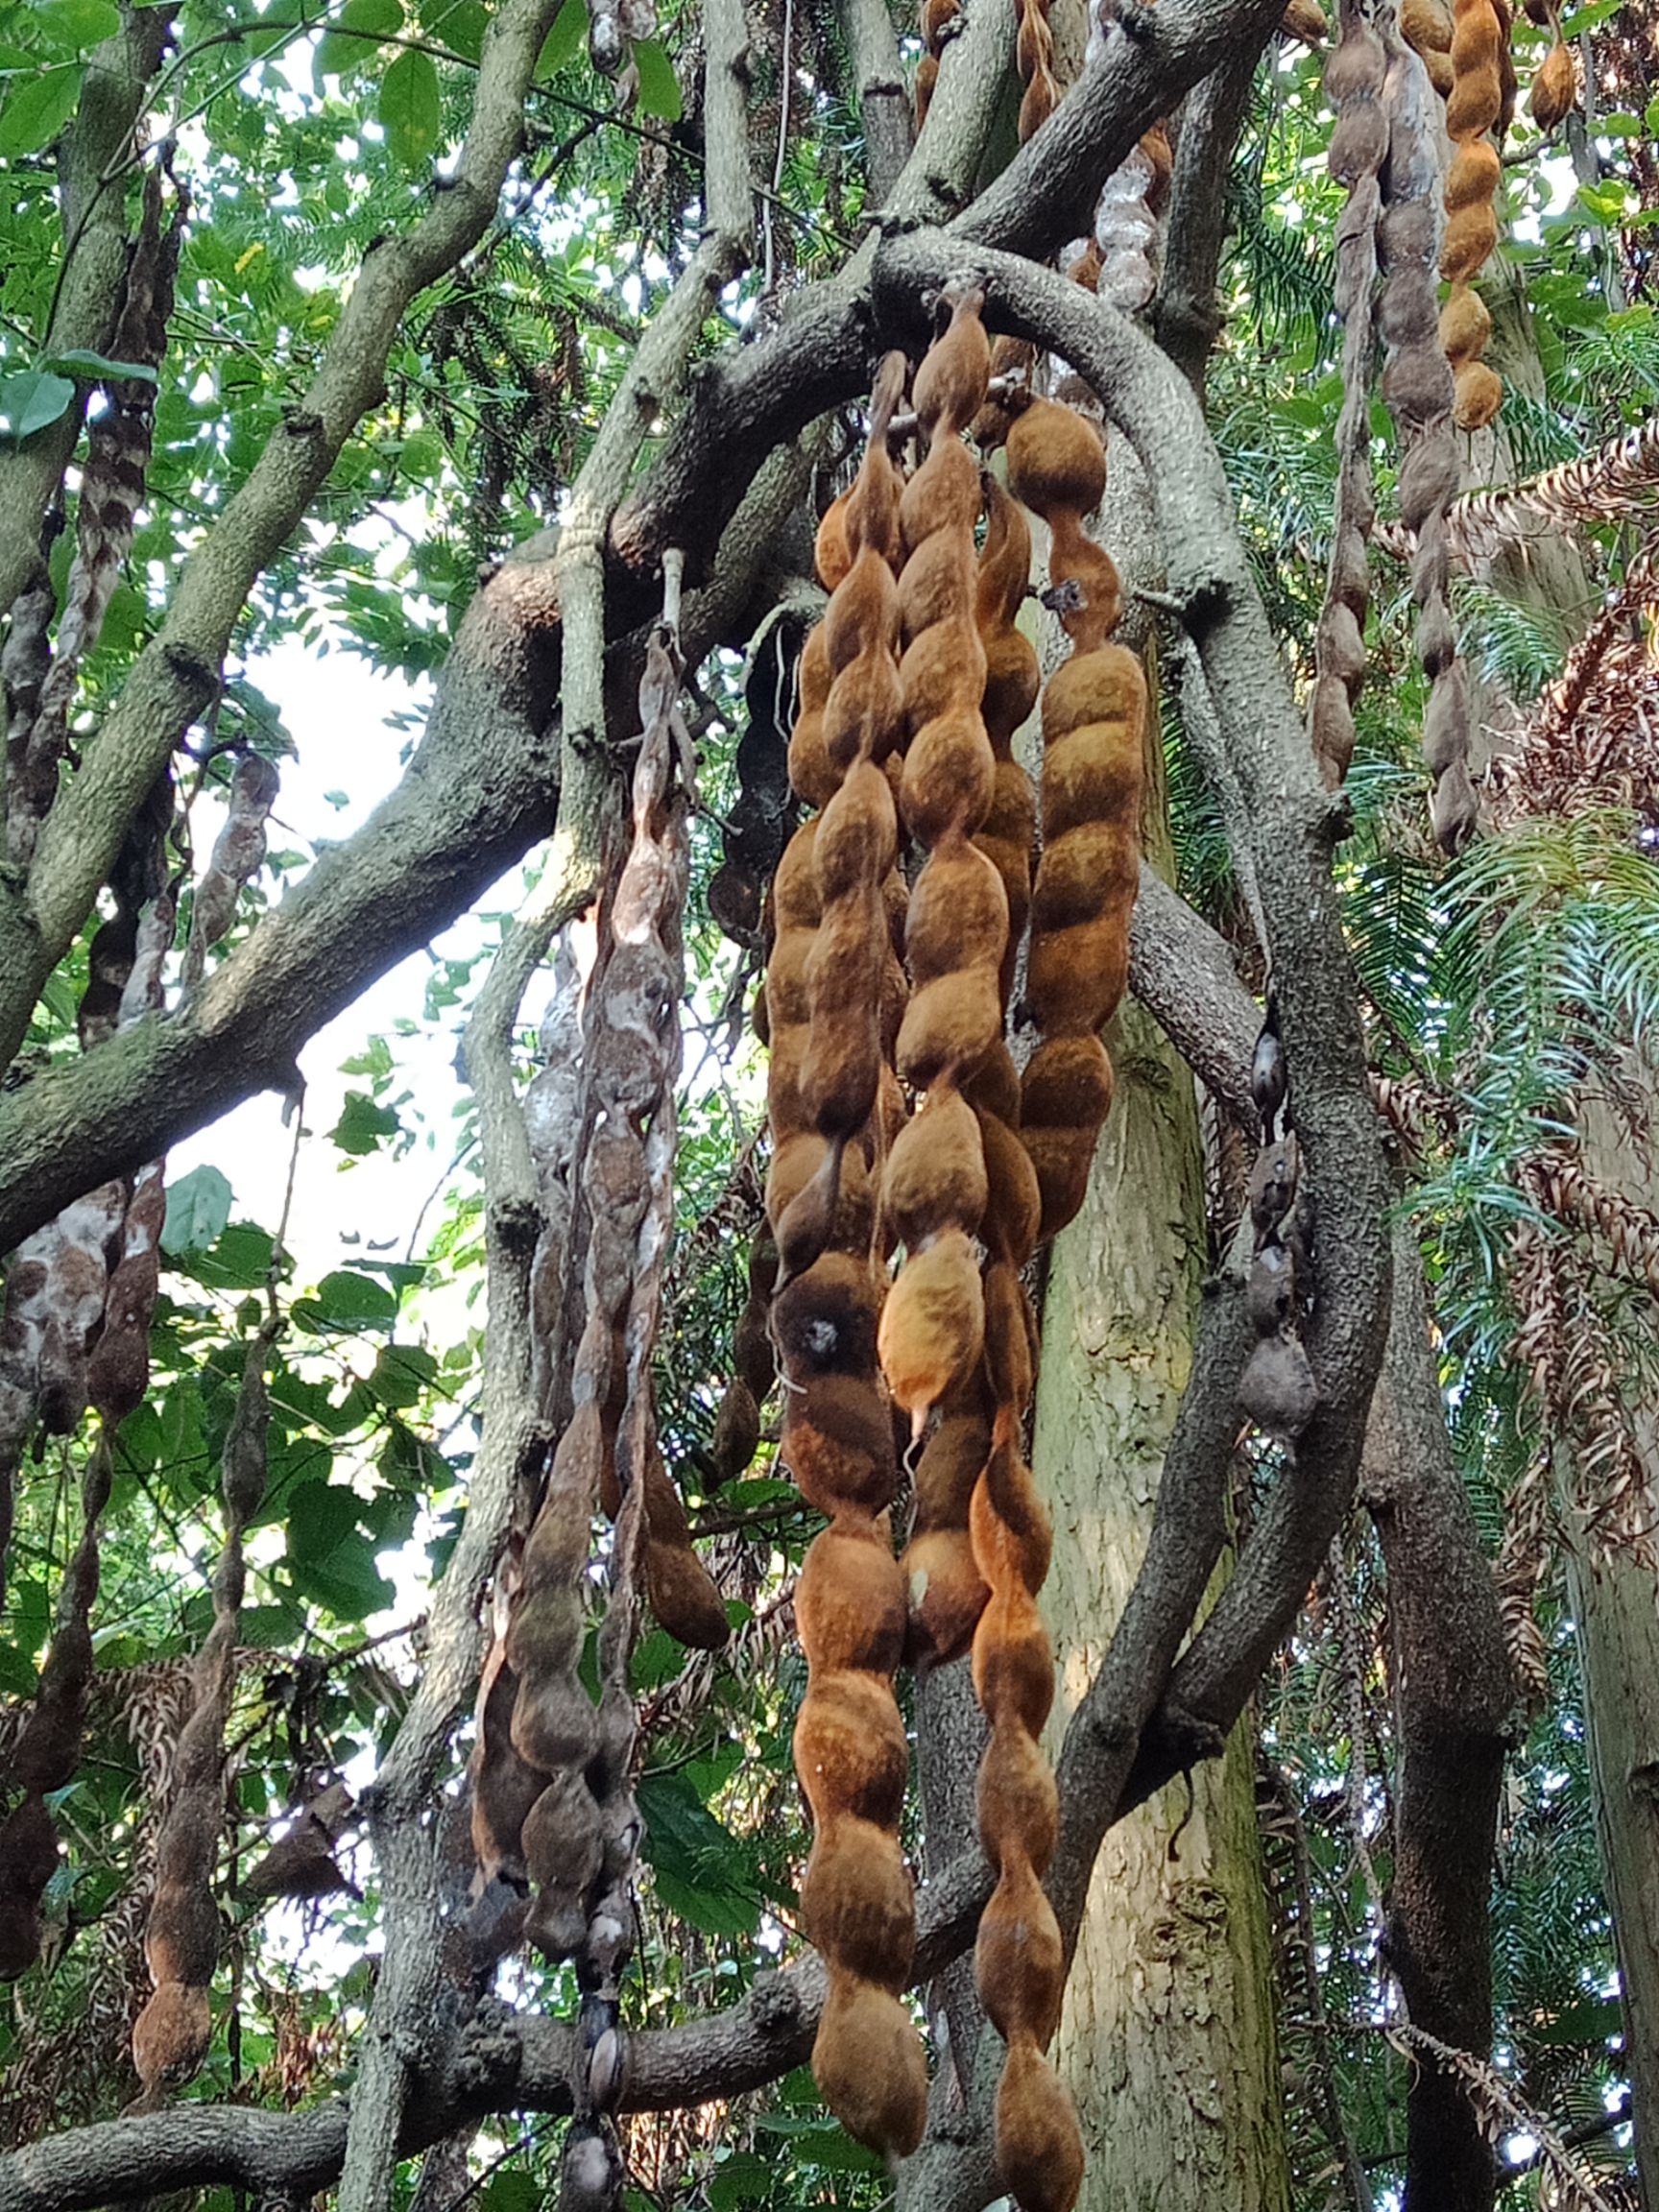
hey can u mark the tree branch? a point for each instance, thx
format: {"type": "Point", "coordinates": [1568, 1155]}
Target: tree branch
{"type": "Point", "coordinates": [177, 673]}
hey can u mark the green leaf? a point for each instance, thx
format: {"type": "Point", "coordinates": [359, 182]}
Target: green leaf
{"type": "Point", "coordinates": [345, 1300]}
{"type": "Point", "coordinates": [361, 1124]}
{"type": "Point", "coordinates": [361, 27]}
{"type": "Point", "coordinates": [198, 1208]}
{"type": "Point", "coordinates": [693, 1856]}
{"type": "Point", "coordinates": [240, 1259]}
{"type": "Point", "coordinates": [743, 2178]}
{"type": "Point", "coordinates": [36, 110]}
{"type": "Point", "coordinates": [402, 1372]}
{"type": "Point", "coordinates": [29, 400]}
{"type": "Point", "coordinates": [659, 86]}
{"type": "Point", "coordinates": [409, 108]}
{"type": "Point", "coordinates": [82, 361]}
{"type": "Point", "coordinates": [78, 23]}
{"type": "Point", "coordinates": [563, 42]}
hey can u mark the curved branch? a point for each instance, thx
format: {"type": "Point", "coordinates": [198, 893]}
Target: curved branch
{"type": "Point", "coordinates": [1289, 824]}
{"type": "Point", "coordinates": [177, 673]}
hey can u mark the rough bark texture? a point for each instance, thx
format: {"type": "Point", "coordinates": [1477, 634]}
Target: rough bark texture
{"type": "Point", "coordinates": [1618, 1621]}
{"type": "Point", "coordinates": [1453, 1696]}
{"type": "Point", "coordinates": [1168, 2037]}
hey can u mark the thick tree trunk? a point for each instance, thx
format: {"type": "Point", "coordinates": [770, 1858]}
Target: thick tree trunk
{"type": "Point", "coordinates": [1617, 1612]}
{"type": "Point", "coordinates": [1168, 2039]}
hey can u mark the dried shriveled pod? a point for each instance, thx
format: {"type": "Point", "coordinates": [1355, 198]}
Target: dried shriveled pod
{"type": "Point", "coordinates": [1417, 388]}
{"type": "Point", "coordinates": [238, 852]}
{"type": "Point", "coordinates": [1354, 78]}
{"type": "Point", "coordinates": [49, 1751]}
{"type": "Point", "coordinates": [1474, 120]}
{"type": "Point", "coordinates": [182, 1936]}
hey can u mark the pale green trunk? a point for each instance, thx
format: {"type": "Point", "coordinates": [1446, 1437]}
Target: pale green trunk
{"type": "Point", "coordinates": [1169, 2035]}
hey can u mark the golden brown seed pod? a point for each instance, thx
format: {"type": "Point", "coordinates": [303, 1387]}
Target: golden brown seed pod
{"type": "Point", "coordinates": [1554, 92]}
{"type": "Point", "coordinates": [831, 1094]}
{"type": "Point", "coordinates": [1475, 116]}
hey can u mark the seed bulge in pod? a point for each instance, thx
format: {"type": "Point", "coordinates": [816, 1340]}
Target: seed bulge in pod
{"type": "Point", "coordinates": [937, 677]}
{"type": "Point", "coordinates": [1465, 325]}
{"type": "Point", "coordinates": [823, 1322]}
{"type": "Point", "coordinates": [932, 1325]}
{"type": "Point", "coordinates": [170, 2035]}
{"type": "Point", "coordinates": [1019, 1959]}
{"type": "Point", "coordinates": [857, 836]}
{"type": "Point", "coordinates": [1018, 1795]}
{"type": "Point", "coordinates": [684, 1597]}
{"type": "Point", "coordinates": [860, 1902]}
{"type": "Point", "coordinates": [1055, 460]}
{"type": "Point", "coordinates": [1012, 678]}
{"type": "Point", "coordinates": [1479, 394]}
{"type": "Point", "coordinates": [1076, 977]}
{"type": "Point", "coordinates": [850, 1602]}
{"type": "Point", "coordinates": [946, 1594]}
{"type": "Point", "coordinates": [951, 1461]}
{"type": "Point", "coordinates": [1014, 1208]}
{"type": "Point", "coordinates": [950, 1024]}
{"type": "Point", "coordinates": [838, 1444]}
{"type": "Point", "coordinates": [943, 495]}
{"type": "Point", "coordinates": [935, 1174]}
{"type": "Point", "coordinates": [868, 2063]}
{"type": "Point", "coordinates": [1554, 90]}
{"type": "Point", "coordinates": [1090, 864]}
{"type": "Point", "coordinates": [849, 1749]}
{"type": "Point", "coordinates": [1014, 1661]}
{"type": "Point", "coordinates": [1039, 2148]}
{"type": "Point", "coordinates": [958, 914]}
{"type": "Point", "coordinates": [949, 776]}
{"type": "Point", "coordinates": [1008, 1348]}
{"type": "Point", "coordinates": [1474, 177]}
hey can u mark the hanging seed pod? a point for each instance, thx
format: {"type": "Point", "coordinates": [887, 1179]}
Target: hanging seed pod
{"type": "Point", "coordinates": [1425, 26]}
{"type": "Point", "coordinates": [1093, 721]}
{"type": "Point", "coordinates": [757, 825]}
{"type": "Point", "coordinates": [1474, 111]}
{"type": "Point", "coordinates": [238, 854]}
{"type": "Point", "coordinates": [171, 2034]}
{"type": "Point", "coordinates": [1277, 1389]}
{"type": "Point", "coordinates": [49, 1751]}
{"type": "Point", "coordinates": [1417, 388]}
{"type": "Point", "coordinates": [830, 1038]}
{"type": "Point", "coordinates": [1034, 59]}
{"type": "Point", "coordinates": [937, 17]}
{"type": "Point", "coordinates": [1354, 78]}
{"type": "Point", "coordinates": [737, 1419]}
{"type": "Point", "coordinates": [568, 1838]}
{"type": "Point", "coordinates": [1019, 1959]}
{"type": "Point", "coordinates": [1554, 93]}
{"type": "Point", "coordinates": [956, 936]}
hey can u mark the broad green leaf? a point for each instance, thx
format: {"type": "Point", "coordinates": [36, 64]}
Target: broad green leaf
{"type": "Point", "coordinates": [348, 1301]}
{"type": "Point", "coordinates": [563, 42]}
{"type": "Point", "coordinates": [78, 23]}
{"type": "Point", "coordinates": [321, 1518]}
{"type": "Point", "coordinates": [198, 1208]}
{"type": "Point", "coordinates": [659, 86]}
{"type": "Point", "coordinates": [37, 108]}
{"type": "Point", "coordinates": [31, 399]}
{"type": "Point", "coordinates": [693, 1857]}
{"type": "Point", "coordinates": [743, 2178]}
{"type": "Point", "coordinates": [409, 108]}
{"type": "Point", "coordinates": [361, 1124]}
{"type": "Point", "coordinates": [402, 1372]}
{"type": "Point", "coordinates": [460, 24]}
{"type": "Point", "coordinates": [359, 29]}
{"type": "Point", "coordinates": [79, 361]}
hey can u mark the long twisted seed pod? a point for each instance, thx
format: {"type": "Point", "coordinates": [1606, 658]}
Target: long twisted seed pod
{"type": "Point", "coordinates": [181, 1937]}
{"type": "Point", "coordinates": [946, 1590]}
{"type": "Point", "coordinates": [50, 1750]}
{"type": "Point", "coordinates": [1353, 76]}
{"type": "Point", "coordinates": [1474, 109]}
{"type": "Point", "coordinates": [1093, 721]}
{"type": "Point", "coordinates": [754, 1364]}
{"type": "Point", "coordinates": [1417, 388]}
{"type": "Point", "coordinates": [1425, 26]}
{"type": "Point", "coordinates": [828, 1054]}
{"type": "Point", "coordinates": [956, 936]}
